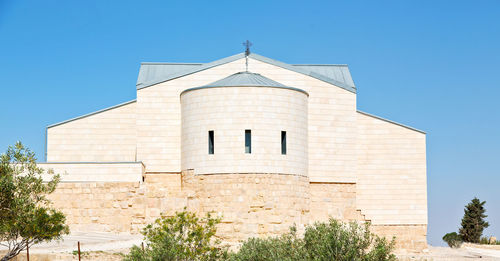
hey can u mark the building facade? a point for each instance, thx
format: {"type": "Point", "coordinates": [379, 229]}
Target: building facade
{"type": "Point", "coordinates": [262, 143]}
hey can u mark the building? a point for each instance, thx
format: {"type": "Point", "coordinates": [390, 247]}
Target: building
{"type": "Point", "coordinates": [267, 147]}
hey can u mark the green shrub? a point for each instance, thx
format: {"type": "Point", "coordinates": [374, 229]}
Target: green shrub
{"type": "Point", "coordinates": [486, 241]}
{"type": "Point", "coordinates": [332, 240]}
{"type": "Point", "coordinates": [453, 239]}
{"type": "Point", "coordinates": [285, 247]}
{"type": "Point", "coordinates": [335, 240]}
{"type": "Point", "coordinates": [181, 237]}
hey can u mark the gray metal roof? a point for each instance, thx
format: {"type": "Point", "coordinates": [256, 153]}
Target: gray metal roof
{"type": "Point", "coordinates": [245, 79]}
{"type": "Point", "coordinates": [389, 121]}
{"type": "Point", "coordinates": [154, 73]}
{"type": "Point", "coordinates": [339, 72]}
{"type": "Point", "coordinates": [92, 113]}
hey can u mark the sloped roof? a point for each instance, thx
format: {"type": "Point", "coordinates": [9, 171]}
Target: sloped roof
{"type": "Point", "coordinates": [154, 73]}
{"type": "Point", "coordinates": [243, 79]}
{"type": "Point", "coordinates": [339, 72]}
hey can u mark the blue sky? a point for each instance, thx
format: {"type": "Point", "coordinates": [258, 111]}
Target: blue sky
{"type": "Point", "coordinates": [433, 65]}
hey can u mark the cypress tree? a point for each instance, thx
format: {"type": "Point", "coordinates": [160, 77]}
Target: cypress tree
{"type": "Point", "coordinates": [473, 222]}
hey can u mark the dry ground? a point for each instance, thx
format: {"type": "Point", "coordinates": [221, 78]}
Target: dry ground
{"type": "Point", "coordinates": [110, 247]}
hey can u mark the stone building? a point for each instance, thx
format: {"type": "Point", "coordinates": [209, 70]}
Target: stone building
{"type": "Point", "coordinates": [266, 147]}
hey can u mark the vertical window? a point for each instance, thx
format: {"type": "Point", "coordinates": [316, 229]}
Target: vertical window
{"type": "Point", "coordinates": [248, 141]}
{"type": "Point", "coordinates": [211, 142]}
{"type": "Point", "coordinates": [283, 143]}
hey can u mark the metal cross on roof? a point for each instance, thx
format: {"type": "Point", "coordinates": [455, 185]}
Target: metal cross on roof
{"type": "Point", "coordinates": [247, 44]}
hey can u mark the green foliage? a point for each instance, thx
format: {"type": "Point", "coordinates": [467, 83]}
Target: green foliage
{"type": "Point", "coordinates": [473, 222]}
{"type": "Point", "coordinates": [181, 237]}
{"type": "Point", "coordinates": [487, 241]}
{"type": "Point", "coordinates": [453, 240]}
{"type": "Point", "coordinates": [332, 240]}
{"type": "Point", "coordinates": [335, 240]}
{"type": "Point", "coordinates": [26, 217]}
{"type": "Point", "coordinates": [285, 247]}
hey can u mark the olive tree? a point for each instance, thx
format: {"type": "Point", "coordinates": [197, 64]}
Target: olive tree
{"type": "Point", "coordinates": [26, 215]}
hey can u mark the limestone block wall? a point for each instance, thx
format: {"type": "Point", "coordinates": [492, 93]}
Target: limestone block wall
{"type": "Point", "coordinates": [95, 172]}
{"type": "Point", "coordinates": [229, 111]}
{"type": "Point", "coordinates": [335, 200]}
{"type": "Point", "coordinates": [409, 237]}
{"type": "Point", "coordinates": [392, 182]}
{"type": "Point", "coordinates": [252, 205]}
{"type": "Point", "coordinates": [119, 206]}
{"type": "Point", "coordinates": [106, 136]}
{"type": "Point", "coordinates": [102, 206]}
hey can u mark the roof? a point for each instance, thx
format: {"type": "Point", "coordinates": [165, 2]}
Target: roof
{"type": "Point", "coordinates": [92, 113]}
{"type": "Point", "coordinates": [245, 79]}
{"type": "Point", "coordinates": [154, 73]}
{"type": "Point", "coordinates": [389, 121]}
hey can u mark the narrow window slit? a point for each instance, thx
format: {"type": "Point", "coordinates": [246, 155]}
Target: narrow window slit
{"type": "Point", "coordinates": [211, 142]}
{"type": "Point", "coordinates": [248, 141]}
{"type": "Point", "coordinates": [283, 142]}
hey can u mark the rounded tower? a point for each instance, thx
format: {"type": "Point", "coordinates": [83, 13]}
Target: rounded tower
{"type": "Point", "coordinates": [245, 123]}
{"type": "Point", "coordinates": [244, 138]}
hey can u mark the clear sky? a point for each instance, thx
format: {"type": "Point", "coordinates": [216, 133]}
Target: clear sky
{"type": "Point", "coordinates": [433, 65]}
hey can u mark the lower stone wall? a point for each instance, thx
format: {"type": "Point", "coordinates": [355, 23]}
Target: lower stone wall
{"type": "Point", "coordinates": [251, 205]}
{"type": "Point", "coordinates": [119, 206]}
{"type": "Point", "coordinates": [106, 206]}
{"type": "Point", "coordinates": [336, 200]}
{"type": "Point", "coordinates": [410, 237]}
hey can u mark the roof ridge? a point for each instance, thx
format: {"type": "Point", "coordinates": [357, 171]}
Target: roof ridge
{"type": "Point", "coordinates": [320, 64]}
{"type": "Point", "coordinates": [160, 63]}
{"type": "Point", "coordinates": [255, 56]}
{"type": "Point", "coordinates": [92, 113]}
{"type": "Point", "coordinates": [391, 121]}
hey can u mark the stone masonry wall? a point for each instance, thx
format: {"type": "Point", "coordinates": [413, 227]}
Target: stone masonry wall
{"type": "Point", "coordinates": [252, 205]}
{"type": "Point", "coordinates": [409, 237]}
{"type": "Point", "coordinates": [336, 200]}
{"type": "Point", "coordinates": [119, 206]}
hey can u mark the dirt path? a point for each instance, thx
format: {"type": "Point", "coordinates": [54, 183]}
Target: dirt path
{"type": "Point", "coordinates": [110, 246]}
{"type": "Point", "coordinates": [466, 252]}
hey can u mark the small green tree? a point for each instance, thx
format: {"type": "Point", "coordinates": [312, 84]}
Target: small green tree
{"type": "Point", "coordinates": [181, 237]}
{"type": "Point", "coordinates": [453, 240]}
{"type": "Point", "coordinates": [26, 217]}
{"type": "Point", "coordinates": [473, 222]}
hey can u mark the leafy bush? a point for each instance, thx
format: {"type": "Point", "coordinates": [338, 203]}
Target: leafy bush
{"type": "Point", "coordinates": [181, 237]}
{"type": "Point", "coordinates": [332, 240]}
{"type": "Point", "coordinates": [335, 240]}
{"type": "Point", "coordinates": [489, 241]}
{"type": "Point", "coordinates": [285, 247]}
{"type": "Point", "coordinates": [453, 239]}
